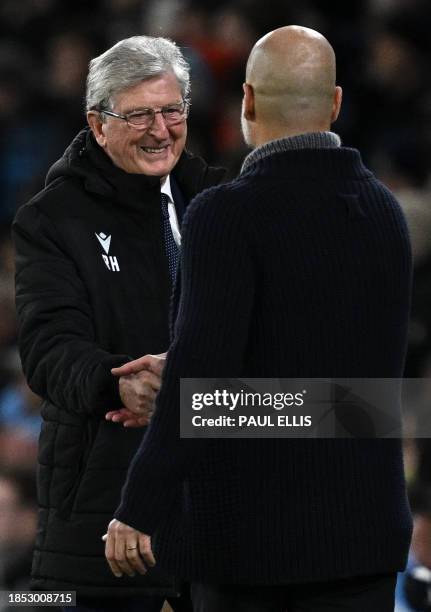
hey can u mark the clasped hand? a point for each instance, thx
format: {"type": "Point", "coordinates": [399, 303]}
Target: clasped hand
{"type": "Point", "coordinates": [139, 383]}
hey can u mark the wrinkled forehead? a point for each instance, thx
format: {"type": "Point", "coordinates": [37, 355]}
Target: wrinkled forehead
{"type": "Point", "coordinates": [158, 91]}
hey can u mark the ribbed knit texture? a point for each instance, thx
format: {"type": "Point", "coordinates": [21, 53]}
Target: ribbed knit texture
{"type": "Point", "coordinates": [309, 140]}
{"type": "Point", "coordinates": [299, 268]}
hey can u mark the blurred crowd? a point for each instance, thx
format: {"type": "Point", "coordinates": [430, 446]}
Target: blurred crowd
{"type": "Point", "coordinates": [383, 51]}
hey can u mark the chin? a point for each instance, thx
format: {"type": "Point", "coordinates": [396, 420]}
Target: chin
{"type": "Point", "coordinates": [156, 169]}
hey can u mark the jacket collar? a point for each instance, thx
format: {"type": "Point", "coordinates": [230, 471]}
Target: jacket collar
{"type": "Point", "coordinates": [86, 160]}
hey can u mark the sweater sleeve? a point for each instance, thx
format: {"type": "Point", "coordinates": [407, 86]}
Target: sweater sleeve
{"type": "Point", "coordinates": [210, 337]}
{"type": "Point", "coordinates": [60, 356]}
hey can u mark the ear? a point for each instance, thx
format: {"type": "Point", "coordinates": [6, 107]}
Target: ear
{"type": "Point", "coordinates": [97, 127]}
{"type": "Point", "coordinates": [249, 110]}
{"type": "Point", "coordinates": [336, 104]}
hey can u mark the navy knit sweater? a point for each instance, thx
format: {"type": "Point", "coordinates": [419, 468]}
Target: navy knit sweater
{"type": "Point", "coordinates": [298, 268]}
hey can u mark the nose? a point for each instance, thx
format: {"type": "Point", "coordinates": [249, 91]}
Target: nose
{"type": "Point", "coordinates": [158, 127]}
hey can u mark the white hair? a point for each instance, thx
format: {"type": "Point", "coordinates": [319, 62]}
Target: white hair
{"type": "Point", "coordinates": [132, 61]}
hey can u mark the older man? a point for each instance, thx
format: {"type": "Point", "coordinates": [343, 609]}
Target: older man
{"type": "Point", "coordinates": [299, 268]}
{"type": "Point", "coordinates": [96, 258]}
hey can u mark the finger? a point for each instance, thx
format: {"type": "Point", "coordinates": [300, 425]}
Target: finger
{"type": "Point", "coordinates": [110, 555]}
{"type": "Point", "coordinates": [149, 380]}
{"type": "Point", "coordinates": [118, 416]}
{"type": "Point", "coordinates": [113, 413]}
{"type": "Point", "coordinates": [132, 367]}
{"type": "Point", "coordinates": [112, 416]}
{"type": "Point", "coordinates": [138, 422]}
{"type": "Point", "coordinates": [146, 386]}
{"type": "Point", "coordinates": [147, 400]}
{"type": "Point", "coordinates": [132, 423]}
{"type": "Point", "coordinates": [120, 556]}
{"type": "Point", "coordinates": [115, 569]}
{"type": "Point", "coordinates": [138, 396]}
{"type": "Point", "coordinates": [156, 363]}
{"type": "Point", "coordinates": [145, 550]}
{"type": "Point", "coordinates": [134, 558]}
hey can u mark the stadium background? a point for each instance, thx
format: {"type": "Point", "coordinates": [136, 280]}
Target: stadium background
{"type": "Point", "coordinates": [383, 52]}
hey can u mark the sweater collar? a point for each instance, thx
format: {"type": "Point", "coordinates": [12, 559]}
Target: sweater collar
{"type": "Point", "coordinates": [310, 140]}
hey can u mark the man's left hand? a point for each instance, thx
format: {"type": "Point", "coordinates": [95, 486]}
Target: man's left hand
{"type": "Point", "coordinates": [127, 550]}
{"type": "Point", "coordinates": [138, 392]}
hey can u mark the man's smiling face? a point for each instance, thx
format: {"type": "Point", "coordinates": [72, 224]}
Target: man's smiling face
{"type": "Point", "coordinates": [153, 151]}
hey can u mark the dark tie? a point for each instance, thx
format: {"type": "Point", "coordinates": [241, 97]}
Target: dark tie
{"type": "Point", "coordinates": [172, 250]}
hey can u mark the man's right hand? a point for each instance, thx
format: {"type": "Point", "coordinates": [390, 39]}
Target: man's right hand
{"type": "Point", "coordinates": [124, 417]}
{"type": "Point", "coordinates": [138, 392]}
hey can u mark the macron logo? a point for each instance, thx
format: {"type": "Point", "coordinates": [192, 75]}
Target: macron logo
{"type": "Point", "coordinates": [104, 240]}
{"type": "Point", "coordinates": [111, 262]}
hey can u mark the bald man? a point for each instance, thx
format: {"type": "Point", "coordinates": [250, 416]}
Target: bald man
{"type": "Point", "coordinates": [299, 268]}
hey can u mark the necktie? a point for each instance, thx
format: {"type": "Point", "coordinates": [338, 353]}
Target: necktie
{"type": "Point", "coordinates": [172, 250]}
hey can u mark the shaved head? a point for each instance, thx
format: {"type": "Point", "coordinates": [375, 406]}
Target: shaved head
{"type": "Point", "coordinates": [291, 72]}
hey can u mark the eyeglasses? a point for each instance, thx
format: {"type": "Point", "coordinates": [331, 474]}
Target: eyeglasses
{"type": "Point", "coordinates": [143, 119]}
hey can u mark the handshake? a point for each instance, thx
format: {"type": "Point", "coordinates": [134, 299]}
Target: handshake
{"type": "Point", "coordinates": [139, 382]}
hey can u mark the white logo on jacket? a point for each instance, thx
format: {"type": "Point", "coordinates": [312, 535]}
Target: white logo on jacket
{"type": "Point", "coordinates": [111, 261]}
{"type": "Point", "coordinates": [104, 240]}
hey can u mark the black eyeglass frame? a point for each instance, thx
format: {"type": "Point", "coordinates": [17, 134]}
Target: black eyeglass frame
{"type": "Point", "coordinates": [182, 107]}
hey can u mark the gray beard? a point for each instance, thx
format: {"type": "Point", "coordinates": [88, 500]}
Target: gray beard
{"type": "Point", "coordinates": [245, 129]}
{"type": "Point", "coordinates": [246, 132]}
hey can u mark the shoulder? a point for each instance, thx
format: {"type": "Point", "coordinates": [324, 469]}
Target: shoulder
{"type": "Point", "coordinates": [59, 199]}
{"type": "Point", "coordinates": [217, 216]}
{"type": "Point", "coordinates": [228, 199]}
{"type": "Point", "coordinates": [194, 174]}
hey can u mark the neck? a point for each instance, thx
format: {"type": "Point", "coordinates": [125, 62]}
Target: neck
{"type": "Point", "coordinates": [264, 134]}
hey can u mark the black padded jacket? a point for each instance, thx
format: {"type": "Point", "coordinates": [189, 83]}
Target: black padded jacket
{"type": "Point", "coordinates": [93, 291]}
